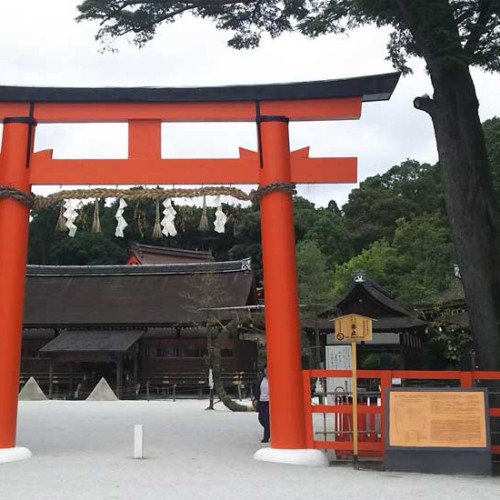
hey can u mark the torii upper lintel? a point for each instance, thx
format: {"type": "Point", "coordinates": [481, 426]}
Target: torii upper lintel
{"type": "Point", "coordinates": [304, 101]}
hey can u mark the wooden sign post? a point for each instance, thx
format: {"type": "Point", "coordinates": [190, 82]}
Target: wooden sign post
{"type": "Point", "coordinates": [354, 328]}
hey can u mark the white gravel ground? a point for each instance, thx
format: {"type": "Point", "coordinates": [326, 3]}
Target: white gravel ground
{"type": "Point", "coordinates": [84, 450]}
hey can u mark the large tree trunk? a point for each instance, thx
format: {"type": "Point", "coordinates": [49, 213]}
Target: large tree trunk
{"type": "Point", "coordinates": [470, 201]}
{"type": "Point", "coordinates": [215, 361]}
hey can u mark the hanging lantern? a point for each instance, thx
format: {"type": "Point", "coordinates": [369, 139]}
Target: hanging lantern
{"type": "Point", "coordinates": [204, 219]}
{"type": "Point", "coordinates": [96, 223]}
{"type": "Point", "coordinates": [156, 235]}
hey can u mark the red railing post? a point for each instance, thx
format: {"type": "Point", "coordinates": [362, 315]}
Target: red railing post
{"type": "Point", "coordinates": [466, 379]}
{"type": "Point", "coordinates": [385, 382]}
{"type": "Point", "coordinates": [306, 381]}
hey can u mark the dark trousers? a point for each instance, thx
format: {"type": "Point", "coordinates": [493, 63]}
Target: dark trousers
{"type": "Point", "coordinates": [263, 408]}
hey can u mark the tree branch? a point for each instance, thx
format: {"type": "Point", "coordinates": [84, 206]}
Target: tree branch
{"type": "Point", "coordinates": [425, 103]}
{"type": "Point", "coordinates": [485, 11]}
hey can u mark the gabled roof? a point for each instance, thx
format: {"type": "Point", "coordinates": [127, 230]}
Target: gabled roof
{"type": "Point", "coordinates": [133, 296]}
{"type": "Point", "coordinates": [367, 297]}
{"type": "Point", "coordinates": [451, 296]}
{"type": "Point", "coordinates": [377, 293]}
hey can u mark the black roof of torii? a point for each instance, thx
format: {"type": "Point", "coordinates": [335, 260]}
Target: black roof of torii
{"type": "Point", "coordinates": [370, 88]}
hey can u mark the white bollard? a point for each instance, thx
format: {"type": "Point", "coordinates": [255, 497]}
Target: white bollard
{"type": "Point", "coordinates": [138, 453]}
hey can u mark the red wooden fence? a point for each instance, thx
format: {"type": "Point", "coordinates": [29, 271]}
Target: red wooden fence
{"type": "Point", "coordinates": [372, 440]}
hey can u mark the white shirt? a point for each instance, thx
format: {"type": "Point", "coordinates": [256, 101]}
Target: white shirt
{"type": "Point", "coordinates": [264, 390]}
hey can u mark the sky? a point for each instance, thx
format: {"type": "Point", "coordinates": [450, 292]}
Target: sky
{"type": "Point", "coordinates": [42, 45]}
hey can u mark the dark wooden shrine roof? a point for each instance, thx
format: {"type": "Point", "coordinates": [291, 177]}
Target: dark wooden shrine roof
{"type": "Point", "coordinates": [370, 88]}
{"type": "Point", "coordinates": [105, 341]}
{"type": "Point", "coordinates": [366, 297]}
{"type": "Point", "coordinates": [133, 296]}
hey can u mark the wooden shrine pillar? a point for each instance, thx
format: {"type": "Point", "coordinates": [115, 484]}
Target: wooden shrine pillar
{"type": "Point", "coordinates": [119, 365]}
{"type": "Point", "coordinates": [288, 429]}
{"type": "Point", "coordinates": [14, 223]}
{"type": "Point", "coordinates": [51, 377]}
{"type": "Point", "coordinates": [71, 380]}
{"type": "Point", "coordinates": [136, 355]}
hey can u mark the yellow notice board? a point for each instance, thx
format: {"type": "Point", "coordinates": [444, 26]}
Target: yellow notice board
{"type": "Point", "coordinates": [440, 418]}
{"type": "Point", "coordinates": [353, 328]}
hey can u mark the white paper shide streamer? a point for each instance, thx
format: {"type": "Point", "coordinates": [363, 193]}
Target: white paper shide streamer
{"type": "Point", "coordinates": [121, 223]}
{"type": "Point", "coordinates": [167, 222]}
{"type": "Point", "coordinates": [70, 214]}
{"type": "Point", "coordinates": [220, 217]}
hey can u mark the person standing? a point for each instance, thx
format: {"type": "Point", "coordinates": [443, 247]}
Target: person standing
{"type": "Point", "coordinates": [261, 403]}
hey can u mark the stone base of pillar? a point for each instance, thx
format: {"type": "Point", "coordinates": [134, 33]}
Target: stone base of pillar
{"type": "Point", "coordinates": [14, 454]}
{"type": "Point", "coordinates": [313, 458]}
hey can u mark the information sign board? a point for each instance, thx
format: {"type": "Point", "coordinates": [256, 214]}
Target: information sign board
{"type": "Point", "coordinates": [353, 328]}
{"type": "Point", "coordinates": [338, 357]}
{"type": "Point", "coordinates": [449, 419]}
{"type": "Point", "coordinates": [437, 430]}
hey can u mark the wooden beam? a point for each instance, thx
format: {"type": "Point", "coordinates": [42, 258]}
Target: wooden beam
{"type": "Point", "coordinates": [341, 108]}
{"type": "Point", "coordinates": [144, 139]}
{"type": "Point", "coordinates": [154, 170]}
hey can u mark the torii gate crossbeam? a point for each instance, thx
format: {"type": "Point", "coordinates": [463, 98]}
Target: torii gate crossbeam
{"type": "Point", "coordinates": [144, 109]}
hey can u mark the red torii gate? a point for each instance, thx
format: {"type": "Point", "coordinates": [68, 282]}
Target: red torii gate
{"type": "Point", "coordinates": [144, 109]}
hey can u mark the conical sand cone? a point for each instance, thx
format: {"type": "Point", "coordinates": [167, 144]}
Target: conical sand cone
{"type": "Point", "coordinates": [102, 392]}
{"type": "Point", "coordinates": [31, 391]}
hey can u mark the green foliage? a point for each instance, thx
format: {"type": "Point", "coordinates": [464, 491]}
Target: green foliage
{"type": "Point", "coordinates": [491, 130]}
{"type": "Point", "coordinates": [373, 361]}
{"type": "Point", "coordinates": [415, 266]}
{"type": "Point", "coordinates": [378, 261]}
{"type": "Point", "coordinates": [85, 249]}
{"type": "Point", "coordinates": [425, 258]}
{"type": "Point", "coordinates": [330, 234]}
{"type": "Point", "coordinates": [313, 275]}
{"type": "Point", "coordinates": [324, 226]}
{"type": "Point", "coordinates": [304, 212]}
{"type": "Point", "coordinates": [447, 345]}
{"type": "Point", "coordinates": [404, 191]}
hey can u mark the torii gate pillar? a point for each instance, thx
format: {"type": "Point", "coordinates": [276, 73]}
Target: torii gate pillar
{"type": "Point", "coordinates": [14, 224]}
{"type": "Point", "coordinates": [288, 432]}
